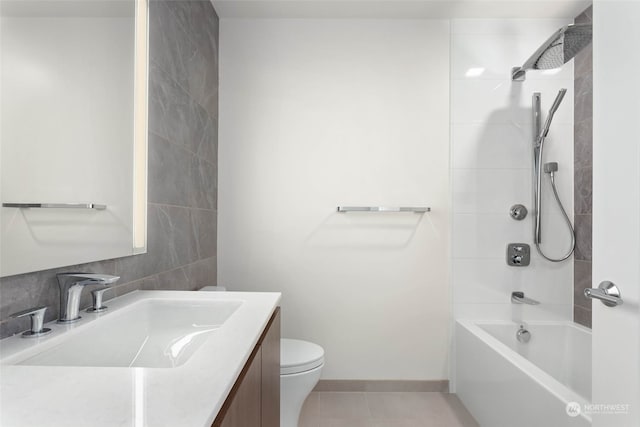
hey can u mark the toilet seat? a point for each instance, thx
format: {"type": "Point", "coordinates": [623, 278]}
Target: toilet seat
{"type": "Point", "coordinates": [298, 356]}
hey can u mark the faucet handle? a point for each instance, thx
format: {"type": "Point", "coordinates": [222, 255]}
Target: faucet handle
{"type": "Point", "coordinates": [96, 294]}
{"type": "Point", "coordinates": [37, 321]}
{"type": "Point", "coordinates": [87, 278]}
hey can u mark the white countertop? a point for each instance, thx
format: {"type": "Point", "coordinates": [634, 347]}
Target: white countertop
{"type": "Point", "coordinates": [189, 395]}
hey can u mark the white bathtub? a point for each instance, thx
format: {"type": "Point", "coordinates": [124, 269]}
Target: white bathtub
{"type": "Point", "coordinates": [505, 383]}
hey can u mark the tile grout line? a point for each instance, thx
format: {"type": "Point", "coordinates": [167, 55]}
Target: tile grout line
{"type": "Point", "coordinates": [168, 205]}
{"type": "Point", "coordinates": [182, 146]}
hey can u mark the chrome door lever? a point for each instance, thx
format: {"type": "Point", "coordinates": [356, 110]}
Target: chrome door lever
{"type": "Point", "coordinates": [607, 292]}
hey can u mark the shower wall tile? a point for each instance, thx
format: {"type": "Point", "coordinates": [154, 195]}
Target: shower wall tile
{"type": "Point", "coordinates": [474, 190]}
{"type": "Point", "coordinates": [502, 101]}
{"type": "Point", "coordinates": [586, 17]}
{"type": "Point", "coordinates": [583, 237]}
{"type": "Point", "coordinates": [510, 312]}
{"type": "Point", "coordinates": [583, 192]}
{"type": "Point", "coordinates": [491, 157]}
{"type": "Point", "coordinates": [583, 63]}
{"type": "Point", "coordinates": [490, 146]}
{"type": "Point", "coordinates": [506, 28]}
{"type": "Point", "coordinates": [583, 87]}
{"type": "Point", "coordinates": [491, 281]}
{"type": "Point", "coordinates": [583, 280]}
{"type": "Point", "coordinates": [583, 144]}
{"type": "Point", "coordinates": [474, 55]}
{"type": "Point", "coordinates": [480, 236]}
{"type": "Point", "coordinates": [582, 316]}
{"type": "Point", "coordinates": [182, 172]}
{"type": "Point", "coordinates": [583, 169]}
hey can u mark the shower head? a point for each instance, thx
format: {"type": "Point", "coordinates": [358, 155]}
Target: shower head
{"type": "Point", "coordinates": [552, 111]}
{"type": "Point", "coordinates": [559, 49]}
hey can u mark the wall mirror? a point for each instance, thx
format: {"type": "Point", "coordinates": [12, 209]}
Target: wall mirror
{"type": "Point", "coordinates": [73, 147]}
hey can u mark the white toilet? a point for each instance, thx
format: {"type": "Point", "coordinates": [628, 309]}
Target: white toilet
{"type": "Point", "coordinates": [301, 363]}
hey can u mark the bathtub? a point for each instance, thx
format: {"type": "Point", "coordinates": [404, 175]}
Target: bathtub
{"type": "Point", "coordinates": [505, 383]}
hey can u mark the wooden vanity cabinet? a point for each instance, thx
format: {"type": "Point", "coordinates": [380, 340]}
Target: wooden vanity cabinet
{"type": "Point", "coordinates": [254, 400]}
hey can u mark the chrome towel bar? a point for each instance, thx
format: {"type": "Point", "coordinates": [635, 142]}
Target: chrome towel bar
{"type": "Point", "coordinates": [55, 205]}
{"type": "Point", "coordinates": [383, 209]}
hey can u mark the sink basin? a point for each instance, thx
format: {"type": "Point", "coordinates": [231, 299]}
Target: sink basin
{"type": "Point", "coordinates": [152, 333]}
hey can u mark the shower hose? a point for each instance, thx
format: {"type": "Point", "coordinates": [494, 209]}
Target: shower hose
{"type": "Point", "coordinates": [566, 218]}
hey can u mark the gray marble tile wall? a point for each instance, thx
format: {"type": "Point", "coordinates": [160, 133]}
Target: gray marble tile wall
{"type": "Point", "coordinates": [583, 176]}
{"type": "Point", "coordinates": [182, 183]}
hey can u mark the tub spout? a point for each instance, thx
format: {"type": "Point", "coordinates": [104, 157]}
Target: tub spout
{"type": "Point", "coordinates": [518, 297]}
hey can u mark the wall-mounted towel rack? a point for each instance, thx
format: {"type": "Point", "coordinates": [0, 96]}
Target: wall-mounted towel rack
{"type": "Point", "coordinates": [415, 209]}
{"type": "Point", "coordinates": [55, 205]}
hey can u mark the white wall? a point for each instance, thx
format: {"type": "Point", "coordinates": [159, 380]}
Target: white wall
{"type": "Point", "coordinates": [320, 113]}
{"type": "Point", "coordinates": [491, 170]}
{"type": "Point", "coordinates": [67, 137]}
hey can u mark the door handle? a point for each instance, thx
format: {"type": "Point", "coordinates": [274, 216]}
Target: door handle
{"type": "Point", "coordinates": [607, 292]}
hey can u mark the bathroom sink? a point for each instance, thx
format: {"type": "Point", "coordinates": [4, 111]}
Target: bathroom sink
{"type": "Point", "coordinates": [152, 333]}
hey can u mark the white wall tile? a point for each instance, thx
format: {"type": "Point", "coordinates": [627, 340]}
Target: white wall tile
{"type": "Point", "coordinates": [492, 157]}
{"type": "Point", "coordinates": [558, 146]}
{"type": "Point", "coordinates": [488, 145]}
{"type": "Point", "coordinates": [506, 27]}
{"type": "Point", "coordinates": [490, 190]}
{"type": "Point", "coordinates": [515, 312]}
{"type": "Point", "coordinates": [486, 235]}
{"type": "Point", "coordinates": [548, 282]}
{"type": "Point", "coordinates": [486, 281]}
{"type": "Point", "coordinates": [496, 55]}
{"type": "Point", "coordinates": [491, 281]}
{"type": "Point", "coordinates": [503, 101]}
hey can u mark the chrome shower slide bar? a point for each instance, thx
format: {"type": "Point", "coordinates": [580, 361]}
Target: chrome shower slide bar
{"type": "Point", "coordinates": [383, 209]}
{"type": "Point", "coordinates": [55, 205]}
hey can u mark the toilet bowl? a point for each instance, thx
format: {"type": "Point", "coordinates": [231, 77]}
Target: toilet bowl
{"type": "Point", "coordinates": [301, 364]}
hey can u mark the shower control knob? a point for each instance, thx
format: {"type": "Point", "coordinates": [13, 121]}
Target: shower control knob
{"type": "Point", "coordinates": [518, 212]}
{"type": "Point", "coordinates": [518, 254]}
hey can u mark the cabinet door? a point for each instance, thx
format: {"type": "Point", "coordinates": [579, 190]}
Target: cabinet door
{"type": "Point", "coordinates": [244, 410]}
{"type": "Point", "coordinates": [254, 400]}
{"type": "Point", "coordinates": [271, 374]}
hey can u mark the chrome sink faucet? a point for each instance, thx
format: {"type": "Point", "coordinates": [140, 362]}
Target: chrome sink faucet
{"type": "Point", "coordinates": [71, 286]}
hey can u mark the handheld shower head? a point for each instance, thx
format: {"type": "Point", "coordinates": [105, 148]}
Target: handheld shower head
{"type": "Point", "coordinates": [552, 111]}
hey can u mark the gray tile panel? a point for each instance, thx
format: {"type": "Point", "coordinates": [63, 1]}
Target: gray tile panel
{"type": "Point", "coordinates": [182, 174]}
{"type": "Point", "coordinates": [583, 174]}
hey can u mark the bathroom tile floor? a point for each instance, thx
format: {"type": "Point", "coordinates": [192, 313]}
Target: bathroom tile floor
{"type": "Point", "coordinates": [371, 409]}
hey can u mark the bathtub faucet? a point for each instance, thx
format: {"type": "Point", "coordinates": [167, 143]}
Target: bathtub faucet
{"type": "Point", "coordinates": [518, 297]}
